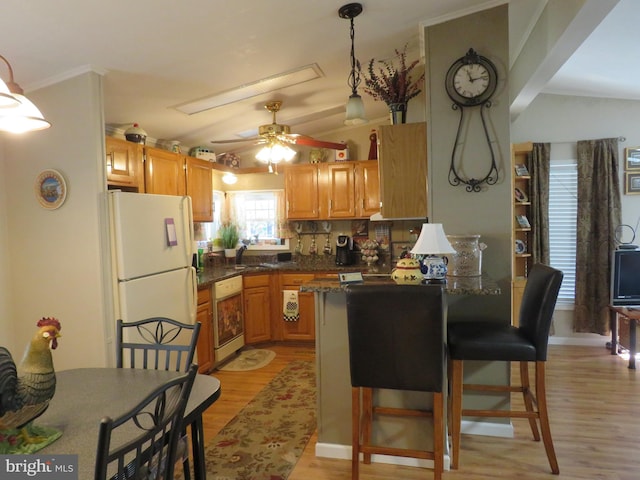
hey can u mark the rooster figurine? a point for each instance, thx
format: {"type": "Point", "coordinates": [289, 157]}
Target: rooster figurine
{"type": "Point", "coordinates": [25, 391]}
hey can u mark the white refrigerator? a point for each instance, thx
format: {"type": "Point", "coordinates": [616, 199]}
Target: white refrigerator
{"type": "Point", "coordinates": [152, 252]}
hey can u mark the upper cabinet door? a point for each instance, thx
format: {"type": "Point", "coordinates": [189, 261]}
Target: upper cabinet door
{"type": "Point", "coordinates": [402, 160]}
{"type": "Point", "coordinates": [341, 189]}
{"type": "Point", "coordinates": [200, 188]}
{"type": "Point", "coordinates": [124, 164]}
{"type": "Point", "coordinates": [164, 172]}
{"type": "Point", "coordinates": [301, 192]}
{"type": "Point", "coordinates": [367, 188]}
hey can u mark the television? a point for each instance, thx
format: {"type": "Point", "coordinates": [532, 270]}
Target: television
{"type": "Point", "coordinates": [625, 278]}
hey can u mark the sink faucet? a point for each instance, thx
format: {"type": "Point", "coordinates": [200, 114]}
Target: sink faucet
{"type": "Point", "coordinates": [239, 253]}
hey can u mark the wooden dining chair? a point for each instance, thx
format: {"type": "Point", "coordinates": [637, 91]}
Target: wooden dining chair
{"type": "Point", "coordinates": [143, 442]}
{"type": "Point", "coordinates": [484, 340]}
{"type": "Point", "coordinates": [396, 341]}
{"type": "Point", "coordinates": [157, 343]}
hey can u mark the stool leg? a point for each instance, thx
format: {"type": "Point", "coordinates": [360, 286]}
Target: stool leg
{"type": "Point", "coordinates": [438, 435]}
{"type": "Point", "coordinates": [528, 399]}
{"type": "Point", "coordinates": [367, 421]}
{"type": "Point", "coordinates": [541, 394]}
{"type": "Point", "coordinates": [456, 410]}
{"type": "Point", "coordinates": [355, 432]}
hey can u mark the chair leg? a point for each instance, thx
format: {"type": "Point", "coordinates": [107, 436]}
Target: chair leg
{"type": "Point", "coordinates": [528, 399]}
{"type": "Point", "coordinates": [367, 421]}
{"type": "Point", "coordinates": [438, 435]}
{"type": "Point", "coordinates": [355, 432]}
{"type": "Point", "coordinates": [456, 410]}
{"type": "Point", "coordinates": [541, 394]}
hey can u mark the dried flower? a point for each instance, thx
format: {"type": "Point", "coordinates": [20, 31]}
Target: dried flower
{"type": "Point", "coordinates": [392, 84]}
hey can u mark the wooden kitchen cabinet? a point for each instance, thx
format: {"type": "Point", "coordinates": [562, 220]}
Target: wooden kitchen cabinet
{"type": "Point", "coordinates": [204, 315]}
{"type": "Point", "coordinates": [257, 308]}
{"type": "Point", "coordinates": [164, 172]}
{"type": "Point", "coordinates": [367, 188]}
{"type": "Point", "coordinates": [305, 327]}
{"type": "Point", "coordinates": [125, 169]}
{"type": "Point", "coordinates": [200, 188]}
{"type": "Point", "coordinates": [301, 192]}
{"type": "Point", "coordinates": [402, 161]}
{"type": "Point", "coordinates": [332, 191]}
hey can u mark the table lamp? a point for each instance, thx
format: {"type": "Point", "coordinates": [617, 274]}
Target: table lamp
{"type": "Point", "coordinates": [430, 247]}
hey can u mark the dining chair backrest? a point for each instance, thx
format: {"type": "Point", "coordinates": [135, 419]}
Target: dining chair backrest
{"type": "Point", "coordinates": [143, 443]}
{"type": "Point", "coordinates": [537, 306]}
{"type": "Point", "coordinates": [156, 343]}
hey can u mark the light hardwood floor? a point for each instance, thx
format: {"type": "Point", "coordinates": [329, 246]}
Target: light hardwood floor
{"type": "Point", "coordinates": [594, 403]}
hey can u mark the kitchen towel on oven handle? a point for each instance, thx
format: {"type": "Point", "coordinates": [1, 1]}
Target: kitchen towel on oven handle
{"type": "Point", "coordinates": [290, 309]}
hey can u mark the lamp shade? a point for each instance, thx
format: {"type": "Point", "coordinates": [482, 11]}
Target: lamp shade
{"type": "Point", "coordinates": [6, 99]}
{"type": "Point", "coordinates": [432, 241]}
{"type": "Point", "coordinates": [355, 111]}
{"type": "Point", "coordinates": [24, 118]}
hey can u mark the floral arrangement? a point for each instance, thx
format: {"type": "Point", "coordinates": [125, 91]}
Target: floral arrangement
{"type": "Point", "coordinates": [392, 84]}
{"type": "Point", "coordinates": [369, 250]}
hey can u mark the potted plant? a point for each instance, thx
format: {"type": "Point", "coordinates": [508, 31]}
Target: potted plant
{"type": "Point", "coordinates": [393, 84]}
{"type": "Point", "coordinates": [229, 235]}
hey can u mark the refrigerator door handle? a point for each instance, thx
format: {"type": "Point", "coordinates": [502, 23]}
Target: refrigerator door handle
{"type": "Point", "coordinates": [189, 219]}
{"type": "Point", "coordinates": [194, 285]}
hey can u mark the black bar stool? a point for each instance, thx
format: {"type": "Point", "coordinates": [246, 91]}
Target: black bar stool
{"type": "Point", "coordinates": [492, 341]}
{"type": "Point", "coordinates": [396, 341]}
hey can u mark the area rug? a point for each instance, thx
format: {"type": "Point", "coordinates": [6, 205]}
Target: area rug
{"type": "Point", "coordinates": [251, 359]}
{"type": "Point", "coordinates": [267, 437]}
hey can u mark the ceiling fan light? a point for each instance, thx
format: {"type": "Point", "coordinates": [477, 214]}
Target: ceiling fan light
{"type": "Point", "coordinates": [355, 111]}
{"type": "Point", "coordinates": [229, 178]}
{"type": "Point", "coordinates": [275, 153]}
{"type": "Point", "coordinates": [21, 119]}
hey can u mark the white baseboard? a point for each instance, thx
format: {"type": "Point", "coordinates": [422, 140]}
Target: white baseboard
{"type": "Point", "coordinates": [343, 452]}
{"type": "Point", "coordinates": [489, 429]}
{"type": "Point", "coordinates": [588, 340]}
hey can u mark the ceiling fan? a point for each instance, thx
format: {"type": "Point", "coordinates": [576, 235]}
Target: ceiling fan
{"type": "Point", "coordinates": [274, 133]}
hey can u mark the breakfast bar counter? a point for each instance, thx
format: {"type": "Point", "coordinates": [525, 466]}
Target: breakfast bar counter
{"type": "Point", "coordinates": [333, 377]}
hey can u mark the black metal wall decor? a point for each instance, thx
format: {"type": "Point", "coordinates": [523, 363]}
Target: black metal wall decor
{"type": "Point", "coordinates": [471, 81]}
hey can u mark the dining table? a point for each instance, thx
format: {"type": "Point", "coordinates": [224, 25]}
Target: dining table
{"type": "Point", "coordinates": [85, 395]}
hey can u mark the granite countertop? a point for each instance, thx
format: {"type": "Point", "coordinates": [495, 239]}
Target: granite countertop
{"type": "Point", "coordinates": [482, 285]}
{"type": "Point", "coordinates": [213, 273]}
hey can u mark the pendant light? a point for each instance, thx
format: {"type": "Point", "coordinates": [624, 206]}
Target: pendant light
{"type": "Point", "coordinates": [355, 107]}
{"type": "Point", "coordinates": [25, 117]}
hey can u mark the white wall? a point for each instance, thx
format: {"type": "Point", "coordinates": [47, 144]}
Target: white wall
{"type": "Point", "coordinates": [6, 326]}
{"type": "Point", "coordinates": [564, 119]}
{"type": "Point", "coordinates": [54, 258]}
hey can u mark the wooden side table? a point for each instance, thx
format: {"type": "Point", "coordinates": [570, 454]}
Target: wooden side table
{"type": "Point", "coordinates": [633, 315]}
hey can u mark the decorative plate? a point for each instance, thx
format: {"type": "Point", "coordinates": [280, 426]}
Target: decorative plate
{"type": "Point", "coordinates": [520, 246]}
{"type": "Point", "coordinates": [51, 189]}
{"type": "Point", "coordinates": [520, 195]}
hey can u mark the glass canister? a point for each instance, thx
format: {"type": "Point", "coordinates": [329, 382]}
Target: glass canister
{"type": "Point", "coordinates": [467, 261]}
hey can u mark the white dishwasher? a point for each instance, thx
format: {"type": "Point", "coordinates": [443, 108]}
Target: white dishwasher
{"type": "Point", "coordinates": [228, 322]}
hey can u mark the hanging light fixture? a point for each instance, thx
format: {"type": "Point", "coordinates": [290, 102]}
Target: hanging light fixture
{"type": "Point", "coordinates": [275, 152]}
{"type": "Point", "coordinates": [25, 117]}
{"type": "Point", "coordinates": [355, 107]}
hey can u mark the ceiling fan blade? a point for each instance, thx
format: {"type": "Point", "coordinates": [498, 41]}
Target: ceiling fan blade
{"type": "Point", "coordinates": [298, 139]}
{"type": "Point", "coordinates": [239, 140]}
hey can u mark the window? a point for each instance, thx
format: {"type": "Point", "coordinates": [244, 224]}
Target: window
{"type": "Point", "coordinates": [563, 210]}
{"type": "Point", "coordinates": [260, 217]}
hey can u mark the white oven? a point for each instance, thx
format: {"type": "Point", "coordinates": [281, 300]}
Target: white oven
{"type": "Point", "coordinates": [228, 321]}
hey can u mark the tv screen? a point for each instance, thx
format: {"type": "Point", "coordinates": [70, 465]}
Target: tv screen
{"type": "Point", "coordinates": [625, 278]}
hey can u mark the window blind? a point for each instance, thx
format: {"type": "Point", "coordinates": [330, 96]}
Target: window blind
{"type": "Point", "coordinates": [563, 210]}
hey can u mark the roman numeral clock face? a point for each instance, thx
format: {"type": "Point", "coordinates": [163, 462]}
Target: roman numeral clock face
{"type": "Point", "coordinates": [471, 80]}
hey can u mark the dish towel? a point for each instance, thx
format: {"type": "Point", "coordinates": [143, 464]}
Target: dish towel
{"type": "Point", "coordinates": [290, 310]}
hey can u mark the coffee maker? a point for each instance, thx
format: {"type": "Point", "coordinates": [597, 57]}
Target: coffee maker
{"type": "Point", "coordinates": [344, 250]}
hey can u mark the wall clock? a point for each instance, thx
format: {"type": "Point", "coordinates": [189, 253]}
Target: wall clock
{"type": "Point", "coordinates": [471, 82]}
